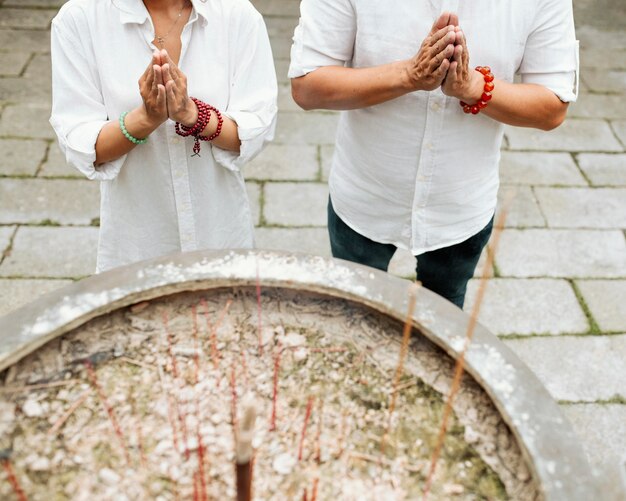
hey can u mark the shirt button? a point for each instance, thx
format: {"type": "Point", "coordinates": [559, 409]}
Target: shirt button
{"type": "Point", "coordinates": [175, 140]}
{"type": "Point", "coordinates": [435, 107]}
{"type": "Point", "coordinates": [429, 146]}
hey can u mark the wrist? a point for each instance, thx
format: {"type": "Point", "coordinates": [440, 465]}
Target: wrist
{"type": "Point", "coordinates": [409, 81]}
{"type": "Point", "coordinates": [189, 116]}
{"type": "Point", "coordinates": [143, 121]}
{"type": "Point", "coordinates": [474, 90]}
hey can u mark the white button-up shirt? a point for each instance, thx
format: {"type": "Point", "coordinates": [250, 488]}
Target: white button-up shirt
{"type": "Point", "coordinates": [416, 171]}
{"type": "Point", "coordinates": [158, 199]}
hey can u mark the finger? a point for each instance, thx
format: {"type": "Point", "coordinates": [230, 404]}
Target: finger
{"type": "Point", "coordinates": [161, 99]}
{"type": "Point", "coordinates": [441, 44]}
{"type": "Point", "coordinates": [457, 61]}
{"type": "Point", "coordinates": [440, 73]}
{"type": "Point", "coordinates": [442, 56]}
{"type": "Point", "coordinates": [454, 19]}
{"type": "Point", "coordinates": [174, 69]}
{"type": "Point", "coordinates": [158, 76]}
{"type": "Point", "coordinates": [166, 72]}
{"type": "Point", "coordinates": [441, 22]}
{"type": "Point", "coordinates": [170, 88]}
{"type": "Point", "coordinates": [156, 57]}
{"type": "Point", "coordinates": [438, 35]}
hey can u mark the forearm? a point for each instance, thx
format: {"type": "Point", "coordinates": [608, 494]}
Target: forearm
{"type": "Point", "coordinates": [525, 105]}
{"type": "Point", "coordinates": [340, 88]}
{"type": "Point", "coordinates": [112, 144]}
{"type": "Point", "coordinates": [228, 138]}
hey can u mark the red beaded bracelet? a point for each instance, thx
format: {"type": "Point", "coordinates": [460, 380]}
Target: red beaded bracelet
{"type": "Point", "coordinates": [487, 89]}
{"type": "Point", "coordinates": [204, 117]}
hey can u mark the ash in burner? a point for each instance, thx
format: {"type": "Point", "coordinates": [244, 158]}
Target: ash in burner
{"type": "Point", "coordinates": [143, 404]}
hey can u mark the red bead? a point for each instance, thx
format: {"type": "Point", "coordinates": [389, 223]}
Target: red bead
{"type": "Point", "coordinates": [463, 103]}
{"type": "Point", "coordinates": [467, 109]}
{"type": "Point", "coordinates": [474, 109]}
{"type": "Point", "coordinates": [481, 104]}
{"type": "Point", "coordinates": [489, 77]}
{"type": "Point", "coordinates": [486, 96]}
{"type": "Point", "coordinates": [489, 86]}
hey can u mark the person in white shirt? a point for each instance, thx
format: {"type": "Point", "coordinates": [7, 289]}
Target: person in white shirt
{"type": "Point", "coordinates": [418, 141]}
{"type": "Point", "coordinates": [124, 73]}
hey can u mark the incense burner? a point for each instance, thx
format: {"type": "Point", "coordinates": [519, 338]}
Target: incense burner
{"type": "Point", "coordinates": [149, 367]}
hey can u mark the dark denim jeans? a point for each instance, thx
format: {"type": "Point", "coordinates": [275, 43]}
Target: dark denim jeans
{"type": "Point", "coordinates": [444, 271]}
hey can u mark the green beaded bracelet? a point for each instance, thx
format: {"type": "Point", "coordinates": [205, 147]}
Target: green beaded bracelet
{"type": "Point", "coordinates": [127, 135]}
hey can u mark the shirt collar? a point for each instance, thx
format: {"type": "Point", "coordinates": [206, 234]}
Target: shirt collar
{"type": "Point", "coordinates": [134, 11]}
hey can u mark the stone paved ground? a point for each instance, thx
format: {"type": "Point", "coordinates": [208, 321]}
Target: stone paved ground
{"type": "Point", "coordinates": [559, 285]}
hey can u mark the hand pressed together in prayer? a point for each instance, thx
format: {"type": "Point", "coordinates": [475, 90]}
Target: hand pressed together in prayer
{"type": "Point", "coordinates": [163, 88]}
{"type": "Point", "coordinates": [443, 61]}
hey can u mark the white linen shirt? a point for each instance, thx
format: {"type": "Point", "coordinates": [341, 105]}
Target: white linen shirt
{"type": "Point", "coordinates": [416, 171]}
{"type": "Point", "coordinates": [158, 199]}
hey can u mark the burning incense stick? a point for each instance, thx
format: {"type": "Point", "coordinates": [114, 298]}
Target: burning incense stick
{"type": "Point", "coordinates": [404, 348]}
{"type": "Point", "coordinates": [460, 364]}
{"type": "Point", "coordinates": [244, 452]}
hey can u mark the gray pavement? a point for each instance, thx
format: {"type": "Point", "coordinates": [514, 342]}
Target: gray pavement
{"type": "Point", "coordinates": [558, 286]}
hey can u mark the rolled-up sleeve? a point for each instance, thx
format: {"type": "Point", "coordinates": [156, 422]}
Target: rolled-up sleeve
{"type": "Point", "coordinates": [253, 93]}
{"type": "Point", "coordinates": [324, 36]}
{"type": "Point", "coordinates": [551, 51]}
{"type": "Point", "coordinates": [78, 111]}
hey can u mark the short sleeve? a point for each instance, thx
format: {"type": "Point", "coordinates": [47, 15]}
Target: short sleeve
{"type": "Point", "coordinates": [551, 51]}
{"type": "Point", "coordinates": [324, 36]}
{"type": "Point", "coordinates": [253, 93]}
{"type": "Point", "coordinates": [78, 111]}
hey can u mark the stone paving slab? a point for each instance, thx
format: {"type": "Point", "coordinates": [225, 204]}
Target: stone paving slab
{"type": "Point", "coordinates": [601, 428]}
{"type": "Point", "coordinates": [533, 306]}
{"type": "Point", "coordinates": [282, 69]}
{"type": "Point", "coordinates": [27, 18]}
{"type": "Point", "coordinates": [6, 232]}
{"type": "Point", "coordinates": [56, 166]}
{"type": "Point", "coordinates": [306, 127]}
{"type": "Point", "coordinates": [283, 162]}
{"type": "Point", "coordinates": [602, 59]}
{"type": "Point", "coordinates": [576, 368]}
{"type": "Point", "coordinates": [523, 211]}
{"type": "Point", "coordinates": [308, 240]}
{"type": "Point", "coordinates": [295, 204]}
{"type": "Point", "coordinates": [562, 254]}
{"type": "Point", "coordinates": [41, 252]}
{"type": "Point", "coordinates": [40, 67]}
{"type": "Point", "coordinates": [24, 40]}
{"type": "Point", "coordinates": [537, 169]}
{"type": "Point", "coordinates": [604, 169]}
{"type": "Point", "coordinates": [609, 106]}
{"type": "Point", "coordinates": [27, 121]}
{"type": "Point", "coordinates": [619, 126]}
{"type": "Point", "coordinates": [13, 63]}
{"type": "Point", "coordinates": [606, 299]}
{"type": "Point", "coordinates": [279, 26]}
{"type": "Point", "coordinates": [285, 101]}
{"type": "Point", "coordinates": [21, 158]}
{"type": "Point", "coordinates": [281, 45]}
{"type": "Point", "coordinates": [59, 201]}
{"type": "Point", "coordinates": [583, 208]}
{"type": "Point", "coordinates": [16, 293]}
{"type": "Point", "coordinates": [594, 37]}
{"type": "Point", "coordinates": [326, 158]}
{"type": "Point", "coordinates": [33, 3]}
{"type": "Point", "coordinates": [254, 196]}
{"type": "Point", "coordinates": [573, 135]}
{"type": "Point", "coordinates": [25, 89]}
{"type": "Point", "coordinates": [606, 81]}
{"type": "Point", "coordinates": [276, 7]}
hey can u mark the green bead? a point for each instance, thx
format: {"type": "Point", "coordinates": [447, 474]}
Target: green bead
{"type": "Point", "coordinates": [127, 135]}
